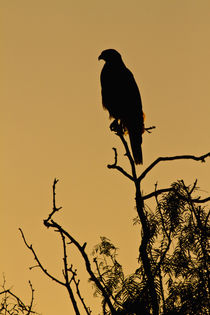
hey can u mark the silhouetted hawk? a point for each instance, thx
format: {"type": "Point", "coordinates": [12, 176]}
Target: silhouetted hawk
{"type": "Point", "coordinates": [121, 97]}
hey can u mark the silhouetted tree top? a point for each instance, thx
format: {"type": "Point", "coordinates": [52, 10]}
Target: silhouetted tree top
{"type": "Point", "coordinates": [172, 275]}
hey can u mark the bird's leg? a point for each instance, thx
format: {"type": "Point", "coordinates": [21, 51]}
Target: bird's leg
{"type": "Point", "coordinates": [116, 126]}
{"type": "Point", "coordinates": [113, 125]}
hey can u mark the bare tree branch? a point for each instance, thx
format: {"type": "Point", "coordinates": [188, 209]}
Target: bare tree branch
{"type": "Point", "coordinates": [86, 260]}
{"type": "Point", "coordinates": [171, 158]}
{"type": "Point", "coordinates": [100, 276]}
{"type": "Point", "coordinates": [76, 282]}
{"type": "Point", "coordinates": [50, 223]}
{"type": "Point", "coordinates": [30, 247]}
{"type": "Point", "coordinates": [19, 304]}
{"type": "Point", "coordinates": [128, 154]}
{"type": "Point", "coordinates": [165, 190]}
{"type": "Point", "coordinates": [198, 200]}
{"type": "Point", "coordinates": [156, 193]}
{"type": "Point", "coordinates": [66, 275]}
{"type": "Point", "coordinates": [118, 129]}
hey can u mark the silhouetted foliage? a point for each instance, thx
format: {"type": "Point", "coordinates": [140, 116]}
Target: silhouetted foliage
{"type": "Point", "coordinates": [178, 251]}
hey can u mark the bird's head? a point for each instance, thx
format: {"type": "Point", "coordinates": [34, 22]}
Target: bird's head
{"type": "Point", "coordinates": [110, 55]}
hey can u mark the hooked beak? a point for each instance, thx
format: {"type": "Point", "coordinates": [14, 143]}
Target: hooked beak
{"type": "Point", "coordinates": [99, 57]}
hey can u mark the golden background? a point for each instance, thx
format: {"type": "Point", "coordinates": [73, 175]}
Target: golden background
{"type": "Point", "coordinates": [53, 125]}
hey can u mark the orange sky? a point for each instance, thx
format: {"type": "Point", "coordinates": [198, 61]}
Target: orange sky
{"type": "Point", "coordinates": [53, 124]}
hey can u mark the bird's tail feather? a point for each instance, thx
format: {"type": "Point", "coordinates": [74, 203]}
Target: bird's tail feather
{"type": "Point", "coordinates": [135, 136]}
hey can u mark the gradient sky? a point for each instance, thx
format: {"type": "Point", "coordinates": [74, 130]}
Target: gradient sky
{"type": "Point", "coordinates": [53, 125]}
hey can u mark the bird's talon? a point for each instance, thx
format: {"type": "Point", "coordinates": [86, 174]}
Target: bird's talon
{"type": "Point", "coordinates": [114, 126]}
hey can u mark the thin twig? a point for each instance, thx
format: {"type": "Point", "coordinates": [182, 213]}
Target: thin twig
{"type": "Point", "coordinates": [193, 187]}
{"type": "Point", "coordinates": [30, 247]}
{"type": "Point", "coordinates": [32, 299]}
{"type": "Point", "coordinates": [119, 168]}
{"type": "Point", "coordinates": [54, 209]}
{"type": "Point", "coordinates": [160, 212]}
{"type": "Point", "coordinates": [149, 128]}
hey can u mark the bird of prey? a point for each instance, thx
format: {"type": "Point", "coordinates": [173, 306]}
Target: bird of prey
{"type": "Point", "coordinates": [121, 97]}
